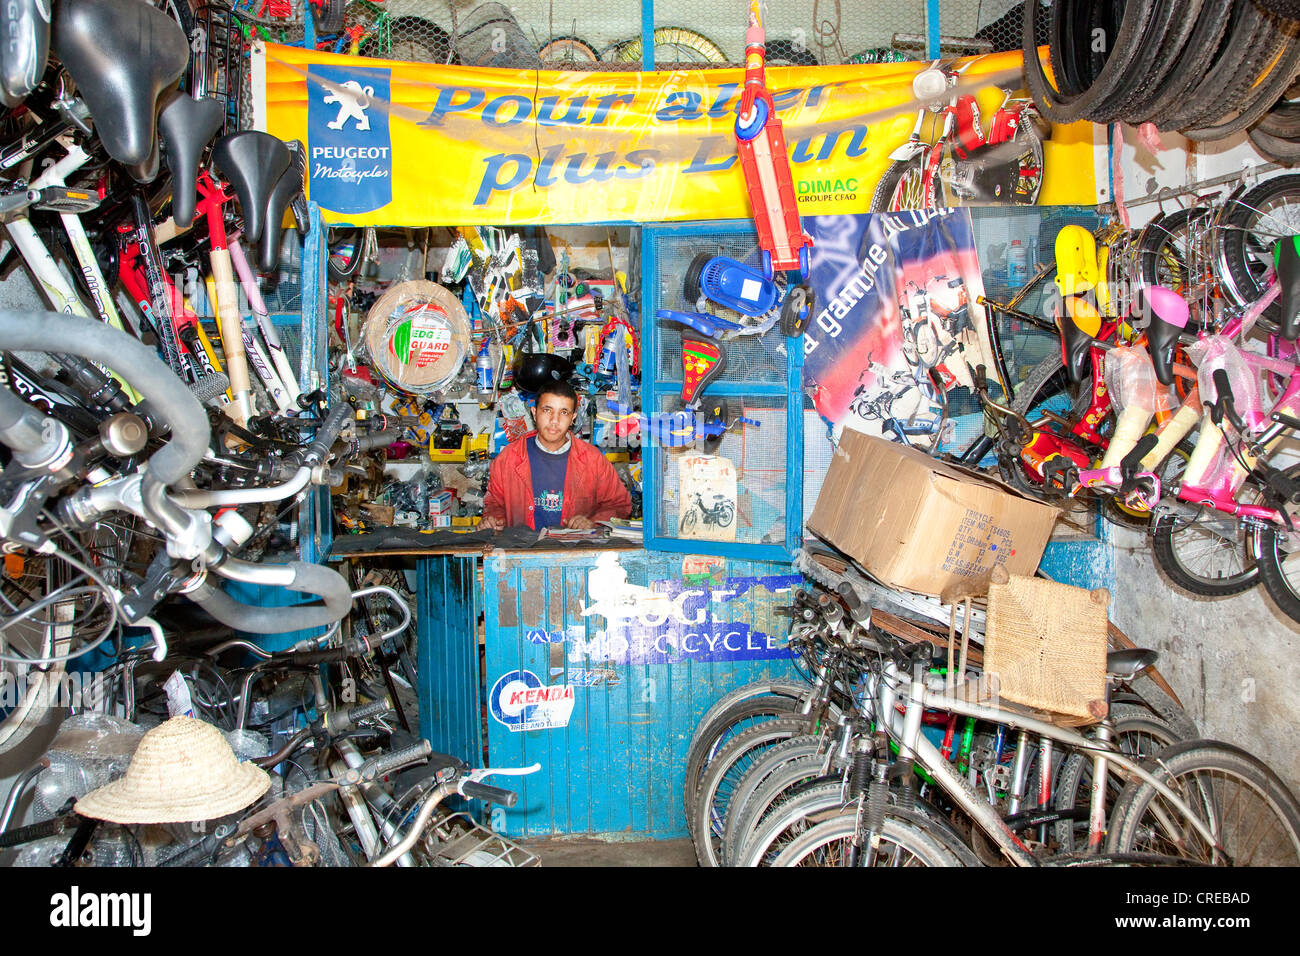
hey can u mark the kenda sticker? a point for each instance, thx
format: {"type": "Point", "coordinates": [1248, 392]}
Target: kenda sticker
{"type": "Point", "coordinates": [520, 701]}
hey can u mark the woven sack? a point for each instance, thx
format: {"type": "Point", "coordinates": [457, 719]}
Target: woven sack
{"type": "Point", "coordinates": [1045, 645]}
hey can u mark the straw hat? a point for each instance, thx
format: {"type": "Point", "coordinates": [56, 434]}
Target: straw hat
{"type": "Point", "coordinates": [183, 770]}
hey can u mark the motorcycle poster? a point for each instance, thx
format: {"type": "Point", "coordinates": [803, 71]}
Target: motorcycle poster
{"type": "Point", "coordinates": [899, 323]}
{"type": "Point", "coordinates": [707, 486]}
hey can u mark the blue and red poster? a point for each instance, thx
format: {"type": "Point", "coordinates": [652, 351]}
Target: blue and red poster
{"type": "Point", "coordinates": [898, 321]}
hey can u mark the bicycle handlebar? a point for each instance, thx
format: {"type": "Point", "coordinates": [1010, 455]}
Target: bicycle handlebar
{"type": "Point", "coordinates": [489, 794]}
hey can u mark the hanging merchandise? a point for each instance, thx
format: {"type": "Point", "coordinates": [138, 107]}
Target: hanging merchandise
{"type": "Point", "coordinates": [484, 373]}
{"type": "Point", "coordinates": [418, 336]}
{"type": "Point", "coordinates": [729, 283]}
{"type": "Point", "coordinates": [760, 143]}
{"type": "Point", "coordinates": [703, 360]}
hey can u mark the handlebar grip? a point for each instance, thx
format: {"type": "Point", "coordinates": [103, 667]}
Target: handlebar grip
{"type": "Point", "coordinates": [349, 717]}
{"type": "Point", "coordinates": [850, 595]}
{"type": "Point", "coordinates": [489, 794]}
{"type": "Point", "coordinates": [1222, 387]}
{"type": "Point", "coordinates": [379, 766]}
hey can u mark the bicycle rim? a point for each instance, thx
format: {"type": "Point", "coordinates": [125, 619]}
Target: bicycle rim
{"type": "Point", "coordinates": [902, 844]}
{"type": "Point", "coordinates": [1254, 817]}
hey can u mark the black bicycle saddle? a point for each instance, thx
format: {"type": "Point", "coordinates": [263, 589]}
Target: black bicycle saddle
{"type": "Point", "coordinates": [252, 162]}
{"type": "Point", "coordinates": [121, 54]}
{"type": "Point", "coordinates": [186, 126]}
{"type": "Point", "coordinates": [285, 191]}
{"type": "Point", "coordinates": [1128, 663]}
{"type": "Point", "coordinates": [1076, 343]}
{"type": "Point", "coordinates": [24, 45]}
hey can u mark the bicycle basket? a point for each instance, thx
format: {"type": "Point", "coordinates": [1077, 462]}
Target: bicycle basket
{"type": "Point", "coordinates": [1046, 643]}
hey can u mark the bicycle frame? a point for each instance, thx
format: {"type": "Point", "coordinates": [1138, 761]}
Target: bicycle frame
{"type": "Point", "coordinates": [905, 729]}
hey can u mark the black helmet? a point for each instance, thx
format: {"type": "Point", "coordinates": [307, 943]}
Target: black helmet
{"type": "Point", "coordinates": [535, 369]}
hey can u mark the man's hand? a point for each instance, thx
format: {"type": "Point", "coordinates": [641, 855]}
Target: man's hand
{"type": "Point", "coordinates": [580, 523]}
{"type": "Point", "coordinates": [491, 523]}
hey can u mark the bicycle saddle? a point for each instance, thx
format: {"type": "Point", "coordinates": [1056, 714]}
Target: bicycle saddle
{"type": "Point", "coordinates": [1286, 259]}
{"type": "Point", "coordinates": [121, 54]}
{"type": "Point", "coordinates": [25, 27]}
{"type": "Point", "coordinates": [1078, 326]}
{"type": "Point", "coordinates": [186, 126]}
{"type": "Point", "coordinates": [1169, 314]}
{"type": "Point", "coordinates": [252, 162]}
{"type": "Point", "coordinates": [1127, 664]}
{"type": "Point", "coordinates": [1076, 260]}
{"type": "Point", "coordinates": [286, 190]}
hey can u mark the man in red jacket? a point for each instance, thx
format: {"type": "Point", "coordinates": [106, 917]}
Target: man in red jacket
{"type": "Point", "coordinates": [550, 478]}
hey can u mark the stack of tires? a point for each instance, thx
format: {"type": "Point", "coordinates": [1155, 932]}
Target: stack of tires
{"type": "Point", "coordinates": [1205, 68]}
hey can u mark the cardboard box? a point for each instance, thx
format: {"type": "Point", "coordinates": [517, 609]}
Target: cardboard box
{"type": "Point", "coordinates": [917, 523]}
{"type": "Point", "coordinates": [441, 503]}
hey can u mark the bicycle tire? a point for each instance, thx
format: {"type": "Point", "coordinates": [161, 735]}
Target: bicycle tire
{"type": "Point", "coordinates": [568, 49]}
{"type": "Point", "coordinates": [34, 697]}
{"type": "Point", "coordinates": [1179, 42]}
{"type": "Point", "coordinates": [716, 735]}
{"type": "Point", "coordinates": [724, 772]}
{"type": "Point", "coordinates": [1250, 43]}
{"type": "Point", "coordinates": [768, 687]}
{"type": "Point", "coordinates": [1273, 574]}
{"type": "Point", "coordinates": [903, 187]}
{"type": "Point", "coordinates": [1244, 249]}
{"type": "Point", "coordinates": [1256, 100]}
{"type": "Point", "coordinates": [1197, 56]}
{"type": "Point", "coordinates": [1275, 148]}
{"type": "Point", "coordinates": [338, 268]}
{"type": "Point", "coordinates": [1063, 108]}
{"type": "Point", "coordinates": [1283, 120]}
{"type": "Point", "coordinates": [1046, 382]}
{"type": "Point", "coordinates": [1212, 777]}
{"type": "Point", "coordinates": [903, 842]}
{"type": "Point", "coordinates": [1139, 734]}
{"type": "Point", "coordinates": [411, 40]}
{"type": "Point", "coordinates": [1180, 567]}
{"type": "Point", "coordinates": [795, 756]}
{"type": "Point", "coordinates": [1162, 40]}
{"type": "Point", "coordinates": [1290, 9]}
{"type": "Point", "coordinates": [678, 38]}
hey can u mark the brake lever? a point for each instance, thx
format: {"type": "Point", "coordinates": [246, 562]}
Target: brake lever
{"type": "Point", "coordinates": [477, 776]}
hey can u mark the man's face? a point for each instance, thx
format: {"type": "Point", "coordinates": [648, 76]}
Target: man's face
{"type": "Point", "coordinates": [554, 415]}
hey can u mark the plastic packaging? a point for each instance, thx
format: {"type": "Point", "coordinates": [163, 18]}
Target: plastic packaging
{"type": "Point", "coordinates": [1135, 393]}
{"type": "Point", "coordinates": [418, 336]}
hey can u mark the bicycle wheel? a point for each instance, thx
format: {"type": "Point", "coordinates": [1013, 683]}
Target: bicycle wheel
{"type": "Point", "coordinates": [1279, 565]}
{"type": "Point", "coordinates": [568, 49]}
{"type": "Point", "coordinates": [771, 687]}
{"type": "Point", "coordinates": [1248, 226]}
{"type": "Point", "coordinates": [788, 53]}
{"type": "Point", "coordinates": [795, 759]}
{"type": "Point", "coordinates": [1255, 819]}
{"type": "Point", "coordinates": [903, 187]}
{"type": "Point", "coordinates": [903, 842]}
{"type": "Point", "coordinates": [734, 720]}
{"type": "Point", "coordinates": [724, 772]}
{"type": "Point", "coordinates": [1210, 555]}
{"type": "Point", "coordinates": [784, 819]}
{"type": "Point", "coordinates": [1047, 387]}
{"type": "Point", "coordinates": [412, 39]}
{"type": "Point", "coordinates": [672, 45]}
{"type": "Point", "coordinates": [1138, 734]}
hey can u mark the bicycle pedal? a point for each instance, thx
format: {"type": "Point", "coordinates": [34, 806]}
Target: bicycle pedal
{"type": "Point", "coordinates": [60, 199]}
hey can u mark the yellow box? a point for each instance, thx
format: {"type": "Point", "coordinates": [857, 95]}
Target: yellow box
{"type": "Point", "coordinates": [448, 455]}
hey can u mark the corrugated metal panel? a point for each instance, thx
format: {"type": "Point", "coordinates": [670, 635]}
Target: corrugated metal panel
{"type": "Point", "coordinates": [448, 656]}
{"type": "Point", "coordinates": [637, 687]}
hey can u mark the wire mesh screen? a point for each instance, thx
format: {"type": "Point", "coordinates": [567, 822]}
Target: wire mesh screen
{"type": "Point", "coordinates": [607, 34]}
{"type": "Point", "coordinates": [750, 358]}
{"type": "Point", "coordinates": [759, 457]}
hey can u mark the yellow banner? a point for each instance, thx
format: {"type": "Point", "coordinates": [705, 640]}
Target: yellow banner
{"type": "Point", "coordinates": [414, 144]}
